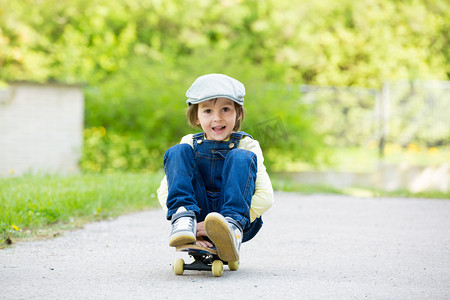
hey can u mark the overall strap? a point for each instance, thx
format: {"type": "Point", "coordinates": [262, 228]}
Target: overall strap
{"type": "Point", "coordinates": [199, 135]}
{"type": "Point", "coordinates": [197, 139]}
{"type": "Point", "coordinates": [236, 137]}
{"type": "Point", "coordinates": [240, 135]}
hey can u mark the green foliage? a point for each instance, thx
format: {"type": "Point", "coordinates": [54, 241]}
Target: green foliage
{"type": "Point", "coordinates": [138, 57]}
{"type": "Point", "coordinates": [321, 42]}
{"type": "Point", "coordinates": [105, 152]}
{"type": "Point", "coordinates": [284, 125]}
{"type": "Point", "coordinates": [30, 203]}
{"type": "Point", "coordinates": [131, 126]}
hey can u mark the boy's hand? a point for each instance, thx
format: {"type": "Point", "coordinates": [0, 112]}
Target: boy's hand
{"type": "Point", "coordinates": [201, 233]}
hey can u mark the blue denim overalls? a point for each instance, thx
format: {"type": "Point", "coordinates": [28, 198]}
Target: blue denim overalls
{"type": "Point", "coordinates": [213, 176]}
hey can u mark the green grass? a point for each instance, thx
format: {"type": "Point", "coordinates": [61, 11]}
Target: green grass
{"type": "Point", "coordinates": [43, 205]}
{"type": "Point", "coordinates": [283, 183]}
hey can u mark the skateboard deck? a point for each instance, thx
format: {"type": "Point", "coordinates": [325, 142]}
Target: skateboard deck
{"type": "Point", "coordinates": [205, 259]}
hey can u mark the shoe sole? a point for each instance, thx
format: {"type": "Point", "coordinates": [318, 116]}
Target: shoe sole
{"type": "Point", "coordinates": [182, 240]}
{"type": "Point", "coordinates": [218, 231]}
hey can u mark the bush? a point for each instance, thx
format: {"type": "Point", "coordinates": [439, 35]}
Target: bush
{"type": "Point", "coordinates": [137, 114]}
{"type": "Point", "coordinates": [105, 152]}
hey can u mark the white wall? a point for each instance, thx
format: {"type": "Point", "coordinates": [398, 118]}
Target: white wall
{"type": "Point", "coordinates": [41, 128]}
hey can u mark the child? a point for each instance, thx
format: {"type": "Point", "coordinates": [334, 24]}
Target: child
{"type": "Point", "coordinates": [216, 186]}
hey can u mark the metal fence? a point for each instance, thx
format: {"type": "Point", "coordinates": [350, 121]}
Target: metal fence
{"type": "Point", "coordinates": [401, 113]}
{"type": "Point", "coordinates": [347, 115]}
{"type": "Point", "coordinates": [417, 112]}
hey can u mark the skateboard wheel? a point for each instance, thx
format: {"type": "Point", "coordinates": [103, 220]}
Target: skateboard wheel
{"type": "Point", "coordinates": [217, 268]}
{"type": "Point", "coordinates": [233, 265]}
{"type": "Point", "coordinates": [178, 266]}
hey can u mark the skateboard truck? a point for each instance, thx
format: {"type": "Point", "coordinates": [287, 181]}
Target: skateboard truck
{"type": "Point", "coordinates": [205, 259]}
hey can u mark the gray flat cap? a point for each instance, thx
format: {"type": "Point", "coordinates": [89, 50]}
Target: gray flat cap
{"type": "Point", "coordinates": [212, 86]}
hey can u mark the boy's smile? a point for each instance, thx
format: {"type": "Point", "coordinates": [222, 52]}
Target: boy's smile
{"type": "Point", "coordinates": [217, 118]}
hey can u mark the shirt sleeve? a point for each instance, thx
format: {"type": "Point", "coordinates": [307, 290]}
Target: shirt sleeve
{"type": "Point", "coordinates": [263, 198]}
{"type": "Point", "coordinates": [163, 192]}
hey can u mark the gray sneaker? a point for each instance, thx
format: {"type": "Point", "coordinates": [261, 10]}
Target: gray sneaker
{"type": "Point", "coordinates": [184, 229]}
{"type": "Point", "coordinates": [226, 234]}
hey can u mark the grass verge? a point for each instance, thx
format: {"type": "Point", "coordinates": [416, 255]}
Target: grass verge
{"type": "Point", "coordinates": [282, 183]}
{"type": "Point", "coordinates": [366, 159]}
{"type": "Point", "coordinates": [43, 206]}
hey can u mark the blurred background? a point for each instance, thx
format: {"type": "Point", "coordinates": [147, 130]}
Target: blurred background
{"type": "Point", "coordinates": [350, 90]}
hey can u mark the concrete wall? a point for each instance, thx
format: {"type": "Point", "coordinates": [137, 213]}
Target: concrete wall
{"type": "Point", "coordinates": [41, 128]}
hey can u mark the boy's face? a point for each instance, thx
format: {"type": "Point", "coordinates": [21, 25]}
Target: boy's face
{"type": "Point", "coordinates": [217, 118]}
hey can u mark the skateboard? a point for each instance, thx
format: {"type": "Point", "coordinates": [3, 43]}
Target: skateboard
{"type": "Point", "coordinates": [205, 259]}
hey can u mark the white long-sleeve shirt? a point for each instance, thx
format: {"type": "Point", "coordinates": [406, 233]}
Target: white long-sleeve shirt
{"type": "Point", "coordinates": [262, 199]}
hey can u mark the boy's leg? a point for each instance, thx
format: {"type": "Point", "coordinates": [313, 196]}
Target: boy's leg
{"type": "Point", "coordinates": [180, 169]}
{"type": "Point", "coordinates": [238, 186]}
{"type": "Point", "coordinates": [185, 193]}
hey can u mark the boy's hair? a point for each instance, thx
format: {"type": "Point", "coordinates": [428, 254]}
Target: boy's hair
{"type": "Point", "coordinates": [192, 115]}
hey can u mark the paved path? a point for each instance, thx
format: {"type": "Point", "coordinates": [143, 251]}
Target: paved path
{"type": "Point", "coordinates": [311, 247]}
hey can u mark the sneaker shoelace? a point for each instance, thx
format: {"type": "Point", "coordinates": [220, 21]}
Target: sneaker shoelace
{"type": "Point", "coordinates": [183, 224]}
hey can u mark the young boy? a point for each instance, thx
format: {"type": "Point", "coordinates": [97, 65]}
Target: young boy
{"type": "Point", "coordinates": [216, 186]}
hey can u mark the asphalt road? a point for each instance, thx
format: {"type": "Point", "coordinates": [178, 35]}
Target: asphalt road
{"type": "Point", "coordinates": [310, 247]}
